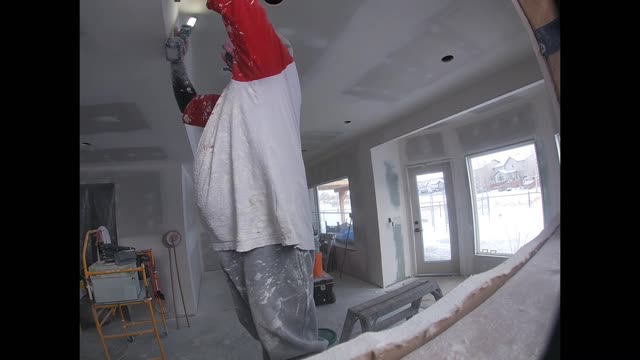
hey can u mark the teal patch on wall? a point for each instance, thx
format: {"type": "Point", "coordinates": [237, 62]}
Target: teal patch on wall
{"type": "Point", "coordinates": [393, 187]}
{"type": "Point", "coordinates": [392, 184]}
{"type": "Point", "coordinates": [397, 238]}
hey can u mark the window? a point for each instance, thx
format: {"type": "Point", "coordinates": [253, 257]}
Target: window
{"type": "Point", "coordinates": [334, 210]}
{"type": "Point", "coordinates": [314, 210]}
{"type": "Point", "coordinates": [507, 198]}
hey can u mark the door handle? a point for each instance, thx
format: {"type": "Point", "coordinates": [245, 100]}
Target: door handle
{"type": "Point", "coordinates": [417, 229]}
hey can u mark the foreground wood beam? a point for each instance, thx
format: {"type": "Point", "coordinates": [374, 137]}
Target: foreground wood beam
{"type": "Point", "coordinates": [400, 341]}
{"type": "Point", "coordinates": [542, 17]}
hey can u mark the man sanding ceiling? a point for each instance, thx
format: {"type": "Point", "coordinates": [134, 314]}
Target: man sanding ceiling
{"type": "Point", "coordinates": [250, 179]}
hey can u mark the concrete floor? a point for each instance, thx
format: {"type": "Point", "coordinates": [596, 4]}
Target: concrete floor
{"type": "Point", "coordinates": [215, 332]}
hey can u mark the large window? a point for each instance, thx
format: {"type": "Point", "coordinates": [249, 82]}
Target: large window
{"type": "Point", "coordinates": [314, 210]}
{"type": "Point", "coordinates": [334, 210]}
{"type": "Point", "coordinates": [507, 198]}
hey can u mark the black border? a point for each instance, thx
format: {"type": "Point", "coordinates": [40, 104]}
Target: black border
{"type": "Point", "coordinates": [597, 249]}
{"type": "Point", "coordinates": [41, 63]}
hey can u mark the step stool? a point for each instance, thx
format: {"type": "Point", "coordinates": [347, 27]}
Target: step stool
{"type": "Point", "coordinates": [369, 312]}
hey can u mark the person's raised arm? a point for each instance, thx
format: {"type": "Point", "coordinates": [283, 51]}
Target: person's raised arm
{"type": "Point", "coordinates": [183, 89]}
{"type": "Point", "coordinates": [259, 52]}
{"type": "Point", "coordinates": [195, 108]}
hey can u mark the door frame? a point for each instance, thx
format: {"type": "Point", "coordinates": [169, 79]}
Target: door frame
{"type": "Point", "coordinates": [447, 267]}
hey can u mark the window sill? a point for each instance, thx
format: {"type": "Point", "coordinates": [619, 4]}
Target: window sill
{"type": "Point", "coordinates": [505, 256]}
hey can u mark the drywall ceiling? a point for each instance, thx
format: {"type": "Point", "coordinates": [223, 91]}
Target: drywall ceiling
{"type": "Point", "coordinates": [517, 102]}
{"type": "Point", "coordinates": [127, 111]}
{"type": "Point", "coordinates": [367, 62]}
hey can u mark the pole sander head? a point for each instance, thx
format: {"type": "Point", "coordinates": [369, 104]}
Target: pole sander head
{"type": "Point", "coordinates": [270, 2]}
{"type": "Point", "coordinates": [174, 48]}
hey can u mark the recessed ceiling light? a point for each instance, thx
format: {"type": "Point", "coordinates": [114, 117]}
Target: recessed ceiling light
{"type": "Point", "coordinates": [273, 2]}
{"type": "Point", "coordinates": [348, 122]}
{"type": "Point", "coordinates": [447, 58]}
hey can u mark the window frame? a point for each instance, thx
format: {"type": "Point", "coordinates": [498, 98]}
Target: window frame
{"type": "Point", "coordinates": [472, 189]}
{"type": "Point", "coordinates": [338, 242]}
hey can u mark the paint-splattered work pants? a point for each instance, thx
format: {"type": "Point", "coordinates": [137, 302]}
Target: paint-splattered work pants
{"type": "Point", "coordinates": [272, 287]}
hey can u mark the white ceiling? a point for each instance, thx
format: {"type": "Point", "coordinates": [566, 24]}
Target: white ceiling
{"type": "Point", "coordinates": [518, 101]}
{"type": "Point", "coordinates": [363, 61]}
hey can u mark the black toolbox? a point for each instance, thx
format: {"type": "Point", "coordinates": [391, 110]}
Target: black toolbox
{"type": "Point", "coordinates": [323, 290]}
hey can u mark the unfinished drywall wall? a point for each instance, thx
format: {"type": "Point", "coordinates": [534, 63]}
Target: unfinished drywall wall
{"type": "Point", "coordinates": [364, 261]}
{"type": "Point", "coordinates": [148, 204]}
{"type": "Point", "coordinates": [527, 116]}
{"type": "Point", "coordinates": [391, 205]}
{"type": "Point", "coordinates": [354, 160]}
{"type": "Point", "coordinates": [192, 230]}
{"type": "Point", "coordinates": [549, 160]}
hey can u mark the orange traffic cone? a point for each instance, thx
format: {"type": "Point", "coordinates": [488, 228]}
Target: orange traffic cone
{"type": "Point", "coordinates": [317, 266]}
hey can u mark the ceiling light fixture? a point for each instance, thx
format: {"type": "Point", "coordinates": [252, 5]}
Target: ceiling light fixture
{"type": "Point", "coordinates": [348, 122]}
